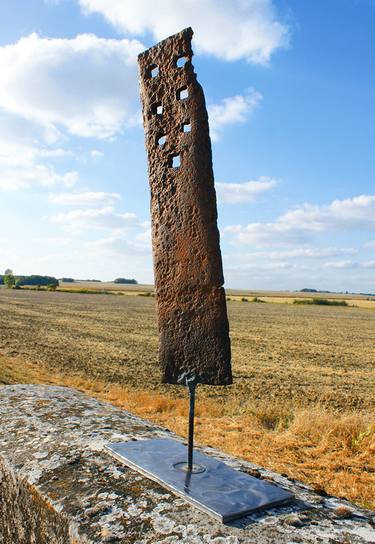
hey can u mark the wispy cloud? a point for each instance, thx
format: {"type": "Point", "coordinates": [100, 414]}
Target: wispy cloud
{"type": "Point", "coordinates": [232, 110]}
{"type": "Point", "coordinates": [298, 225]}
{"type": "Point", "coordinates": [356, 212]}
{"type": "Point", "coordinates": [118, 246]}
{"type": "Point", "coordinates": [368, 264]}
{"type": "Point", "coordinates": [96, 153]}
{"type": "Point", "coordinates": [23, 172]}
{"type": "Point", "coordinates": [237, 193]}
{"type": "Point", "coordinates": [53, 240]}
{"type": "Point", "coordinates": [24, 149]}
{"type": "Point", "coordinates": [349, 264]}
{"type": "Point", "coordinates": [306, 252]}
{"type": "Point", "coordinates": [95, 218]}
{"type": "Point", "coordinates": [87, 198]}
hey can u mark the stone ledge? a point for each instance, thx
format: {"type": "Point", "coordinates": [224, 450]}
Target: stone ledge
{"type": "Point", "coordinates": [58, 486]}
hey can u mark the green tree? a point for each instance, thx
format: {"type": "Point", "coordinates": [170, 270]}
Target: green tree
{"type": "Point", "coordinates": [9, 279]}
{"type": "Point", "coordinates": [51, 287]}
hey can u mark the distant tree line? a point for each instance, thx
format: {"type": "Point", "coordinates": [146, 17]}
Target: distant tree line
{"type": "Point", "coordinates": [308, 290]}
{"type": "Point", "coordinates": [72, 280]}
{"type": "Point", "coordinates": [125, 280]}
{"type": "Point", "coordinates": [95, 281]}
{"type": "Point", "coordinates": [11, 280]}
{"type": "Point", "coordinates": [36, 280]}
{"type": "Point", "coordinates": [117, 280]}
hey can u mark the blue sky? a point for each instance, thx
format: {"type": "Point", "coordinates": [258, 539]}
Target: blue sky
{"type": "Point", "coordinates": [290, 93]}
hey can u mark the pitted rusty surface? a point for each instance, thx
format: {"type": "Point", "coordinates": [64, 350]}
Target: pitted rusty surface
{"type": "Point", "coordinates": [192, 314]}
{"type": "Point", "coordinates": [59, 487]}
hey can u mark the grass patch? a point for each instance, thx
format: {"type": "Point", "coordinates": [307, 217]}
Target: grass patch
{"type": "Point", "coordinates": [320, 302]}
{"type": "Point", "coordinates": [65, 290]}
{"type": "Point", "coordinates": [85, 291]}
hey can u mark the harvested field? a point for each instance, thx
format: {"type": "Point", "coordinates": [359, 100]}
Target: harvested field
{"type": "Point", "coordinates": [303, 396]}
{"type": "Point", "coordinates": [296, 355]}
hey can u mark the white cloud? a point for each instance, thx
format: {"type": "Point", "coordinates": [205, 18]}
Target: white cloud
{"type": "Point", "coordinates": [289, 268]}
{"type": "Point", "coordinates": [370, 244]}
{"type": "Point", "coordinates": [96, 153]}
{"type": "Point", "coordinates": [298, 225]}
{"type": "Point", "coordinates": [87, 198]}
{"type": "Point", "coordinates": [318, 252]}
{"type": "Point", "coordinates": [258, 266]}
{"type": "Point", "coordinates": [53, 240]}
{"type": "Point", "coordinates": [357, 212]}
{"type": "Point", "coordinates": [232, 110]}
{"type": "Point", "coordinates": [87, 85]}
{"type": "Point", "coordinates": [298, 268]}
{"type": "Point", "coordinates": [95, 218]}
{"type": "Point", "coordinates": [236, 193]}
{"type": "Point", "coordinates": [54, 153]}
{"type": "Point", "coordinates": [21, 135]}
{"type": "Point", "coordinates": [23, 172]}
{"type": "Point", "coordinates": [340, 265]}
{"type": "Point", "coordinates": [23, 155]}
{"type": "Point", "coordinates": [117, 246]}
{"type": "Point", "coordinates": [368, 264]}
{"type": "Point", "coordinates": [307, 252]}
{"type": "Point", "coordinates": [348, 264]}
{"type": "Point", "coordinates": [145, 237]}
{"type": "Point", "coordinates": [239, 29]}
{"type": "Point", "coordinates": [265, 234]}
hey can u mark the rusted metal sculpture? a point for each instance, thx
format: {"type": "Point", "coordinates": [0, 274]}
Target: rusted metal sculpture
{"type": "Point", "coordinates": [191, 305]}
{"type": "Point", "coordinates": [194, 340]}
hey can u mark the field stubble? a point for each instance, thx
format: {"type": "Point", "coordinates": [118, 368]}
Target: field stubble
{"type": "Point", "coordinates": [302, 401]}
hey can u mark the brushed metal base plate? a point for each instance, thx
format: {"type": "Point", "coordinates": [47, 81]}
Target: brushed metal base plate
{"type": "Point", "coordinates": [218, 490]}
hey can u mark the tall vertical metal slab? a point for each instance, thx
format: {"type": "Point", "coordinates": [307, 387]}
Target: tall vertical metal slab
{"type": "Point", "coordinates": [192, 314]}
{"type": "Point", "coordinates": [191, 305]}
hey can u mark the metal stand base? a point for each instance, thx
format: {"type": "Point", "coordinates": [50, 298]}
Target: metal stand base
{"type": "Point", "coordinates": [210, 485]}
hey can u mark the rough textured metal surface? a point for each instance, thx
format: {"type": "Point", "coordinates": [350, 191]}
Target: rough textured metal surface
{"type": "Point", "coordinates": [192, 314]}
{"type": "Point", "coordinates": [58, 486]}
{"type": "Point", "coordinates": [220, 491]}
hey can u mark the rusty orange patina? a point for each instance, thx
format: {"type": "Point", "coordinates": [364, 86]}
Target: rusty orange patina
{"type": "Point", "coordinates": [191, 305]}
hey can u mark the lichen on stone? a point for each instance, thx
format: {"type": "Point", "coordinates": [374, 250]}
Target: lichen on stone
{"type": "Point", "coordinates": [68, 490]}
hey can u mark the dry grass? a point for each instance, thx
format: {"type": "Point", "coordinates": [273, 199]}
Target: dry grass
{"type": "Point", "coordinates": [302, 402]}
{"type": "Point", "coordinates": [358, 302]}
{"type": "Point", "coordinates": [278, 297]}
{"type": "Point", "coordinates": [334, 453]}
{"type": "Point", "coordinates": [111, 287]}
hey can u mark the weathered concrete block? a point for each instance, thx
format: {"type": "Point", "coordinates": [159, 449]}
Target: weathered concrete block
{"type": "Point", "coordinates": [57, 486]}
{"type": "Point", "coordinates": [192, 314]}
